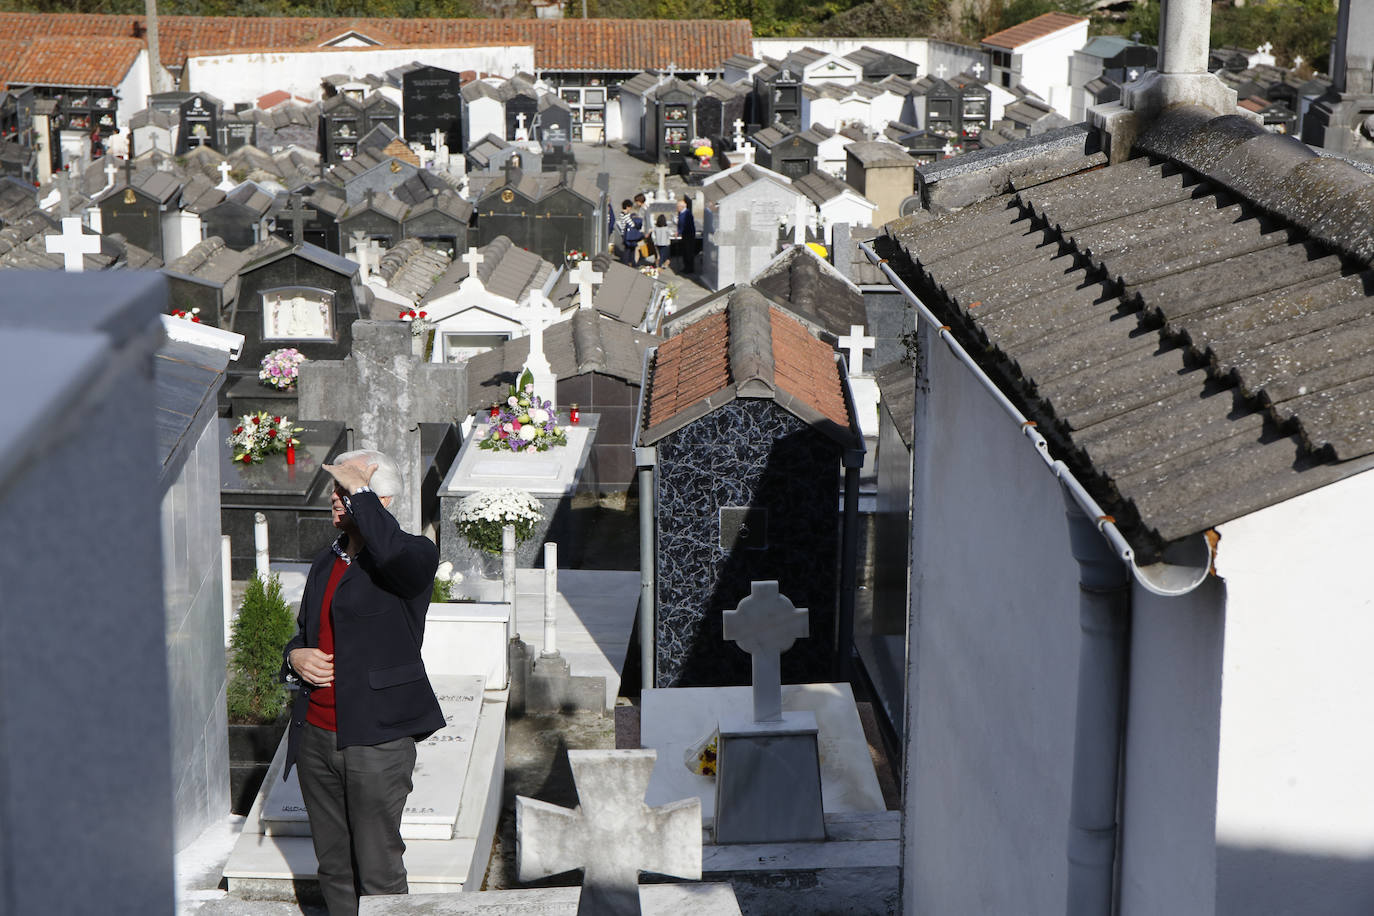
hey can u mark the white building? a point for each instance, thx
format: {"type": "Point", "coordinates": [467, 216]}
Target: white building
{"type": "Point", "coordinates": [1036, 54]}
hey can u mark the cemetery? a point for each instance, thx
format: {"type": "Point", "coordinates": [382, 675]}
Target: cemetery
{"type": "Point", "coordinates": [961, 507]}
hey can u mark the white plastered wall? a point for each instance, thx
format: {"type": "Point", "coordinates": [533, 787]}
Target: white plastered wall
{"type": "Point", "coordinates": [1295, 794]}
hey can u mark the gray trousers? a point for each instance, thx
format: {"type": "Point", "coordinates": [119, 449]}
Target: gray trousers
{"type": "Point", "coordinates": [355, 799]}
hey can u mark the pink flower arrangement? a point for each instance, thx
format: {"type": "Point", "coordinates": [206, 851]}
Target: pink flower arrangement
{"type": "Point", "coordinates": [280, 368]}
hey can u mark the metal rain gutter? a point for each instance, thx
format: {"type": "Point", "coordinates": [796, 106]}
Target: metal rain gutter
{"type": "Point", "coordinates": [1166, 579]}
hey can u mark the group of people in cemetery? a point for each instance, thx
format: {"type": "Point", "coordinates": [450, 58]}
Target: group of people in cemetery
{"type": "Point", "coordinates": [645, 240]}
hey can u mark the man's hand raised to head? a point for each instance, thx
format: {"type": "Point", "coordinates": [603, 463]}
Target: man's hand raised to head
{"type": "Point", "coordinates": [351, 475]}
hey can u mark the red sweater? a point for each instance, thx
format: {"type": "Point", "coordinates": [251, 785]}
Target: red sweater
{"type": "Point", "coordinates": [321, 712]}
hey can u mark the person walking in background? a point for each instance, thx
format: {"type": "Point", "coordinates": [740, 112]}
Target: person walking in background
{"type": "Point", "coordinates": [687, 234]}
{"type": "Point", "coordinates": [663, 240]}
{"type": "Point", "coordinates": [631, 227]}
{"type": "Point", "coordinates": [364, 698]}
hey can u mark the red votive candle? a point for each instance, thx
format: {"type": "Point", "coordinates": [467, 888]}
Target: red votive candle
{"type": "Point", "coordinates": [290, 454]}
{"type": "Point", "coordinates": [574, 414]}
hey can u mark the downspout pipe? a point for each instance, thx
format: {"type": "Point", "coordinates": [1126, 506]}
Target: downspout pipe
{"type": "Point", "coordinates": [646, 460]}
{"type": "Point", "coordinates": [1104, 603]}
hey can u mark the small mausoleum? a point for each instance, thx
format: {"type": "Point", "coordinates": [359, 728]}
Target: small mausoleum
{"type": "Point", "coordinates": [750, 422]}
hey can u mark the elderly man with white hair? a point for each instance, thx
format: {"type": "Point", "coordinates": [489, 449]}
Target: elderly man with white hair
{"type": "Point", "coordinates": [364, 699]}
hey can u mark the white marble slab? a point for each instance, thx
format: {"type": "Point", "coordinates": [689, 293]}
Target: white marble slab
{"type": "Point", "coordinates": [654, 900]}
{"type": "Point", "coordinates": [441, 766]}
{"type": "Point", "coordinates": [467, 637]}
{"type": "Point", "coordinates": [270, 866]}
{"type": "Point", "coordinates": [671, 720]}
{"type": "Point", "coordinates": [551, 473]}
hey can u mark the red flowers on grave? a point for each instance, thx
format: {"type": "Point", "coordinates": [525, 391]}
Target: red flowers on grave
{"type": "Point", "coordinates": [192, 315]}
{"type": "Point", "coordinates": [259, 435]}
{"type": "Point", "coordinates": [418, 320]}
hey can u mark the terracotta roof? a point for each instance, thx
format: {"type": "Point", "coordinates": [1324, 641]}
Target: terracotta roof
{"type": "Point", "coordinates": [565, 44]}
{"type": "Point", "coordinates": [60, 61]}
{"type": "Point", "coordinates": [748, 348]}
{"type": "Point", "coordinates": [1031, 29]}
{"type": "Point", "coordinates": [397, 149]}
{"type": "Point", "coordinates": [805, 368]}
{"type": "Point", "coordinates": [688, 368]}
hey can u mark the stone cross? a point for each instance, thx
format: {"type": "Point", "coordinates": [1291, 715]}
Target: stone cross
{"type": "Point", "coordinates": [73, 245]}
{"type": "Point", "coordinates": [224, 183]}
{"type": "Point", "coordinates": [1133, 75]}
{"type": "Point", "coordinates": [472, 259]}
{"type": "Point", "coordinates": [297, 215]}
{"type": "Point", "coordinates": [1266, 48]}
{"type": "Point", "coordinates": [383, 391]}
{"type": "Point", "coordinates": [437, 138]}
{"type": "Point", "coordinates": [520, 132]}
{"type": "Point", "coordinates": [799, 221]}
{"type": "Point", "coordinates": [765, 625]}
{"type": "Point", "coordinates": [661, 169]}
{"type": "Point", "coordinates": [703, 79]}
{"type": "Point", "coordinates": [742, 241]}
{"type": "Point", "coordinates": [366, 252]}
{"type": "Point", "coordinates": [110, 169]}
{"type": "Point", "coordinates": [611, 835]}
{"type": "Point", "coordinates": [856, 342]}
{"type": "Point", "coordinates": [538, 314]}
{"type": "Point", "coordinates": [739, 133]}
{"type": "Point", "coordinates": [941, 70]}
{"type": "Point", "coordinates": [977, 69]}
{"type": "Point", "coordinates": [585, 277]}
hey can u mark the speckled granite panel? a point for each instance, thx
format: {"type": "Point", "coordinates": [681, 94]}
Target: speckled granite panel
{"type": "Point", "coordinates": [748, 453]}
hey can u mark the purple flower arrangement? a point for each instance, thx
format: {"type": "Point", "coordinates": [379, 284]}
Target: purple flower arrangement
{"type": "Point", "coordinates": [524, 423]}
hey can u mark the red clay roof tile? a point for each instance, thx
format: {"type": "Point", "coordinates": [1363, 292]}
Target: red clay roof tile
{"type": "Point", "coordinates": [1031, 29]}
{"type": "Point", "coordinates": [572, 44]}
{"type": "Point", "coordinates": [65, 61]}
{"type": "Point", "coordinates": [805, 368]}
{"type": "Point", "coordinates": [689, 367]}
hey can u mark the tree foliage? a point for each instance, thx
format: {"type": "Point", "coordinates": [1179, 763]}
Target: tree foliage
{"type": "Point", "coordinates": [262, 628]}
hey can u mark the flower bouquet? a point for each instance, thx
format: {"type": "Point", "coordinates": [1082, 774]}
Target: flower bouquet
{"type": "Point", "coordinates": [574, 256]}
{"type": "Point", "coordinates": [419, 321]}
{"type": "Point", "coordinates": [192, 315]}
{"type": "Point", "coordinates": [280, 368]}
{"type": "Point", "coordinates": [649, 271]}
{"type": "Point", "coordinates": [524, 423]}
{"type": "Point", "coordinates": [483, 514]}
{"type": "Point", "coordinates": [261, 434]}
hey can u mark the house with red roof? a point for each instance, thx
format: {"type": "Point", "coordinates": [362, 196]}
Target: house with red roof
{"type": "Point", "coordinates": [1036, 54]}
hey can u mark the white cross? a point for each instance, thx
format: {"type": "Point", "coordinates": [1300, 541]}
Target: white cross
{"type": "Point", "coordinates": [799, 221]}
{"type": "Point", "coordinates": [538, 314]}
{"type": "Point", "coordinates": [703, 79]}
{"type": "Point", "coordinates": [72, 244]}
{"type": "Point", "coordinates": [437, 138]}
{"type": "Point", "coordinates": [941, 70]}
{"type": "Point", "coordinates": [1297, 61]}
{"type": "Point", "coordinates": [110, 170]}
{"type": "Point", "coordinates": [856, 342]}
{"type": "Point", "coordinates": [472, 259]}
{"type": "Point", "coordinates": [947, 149]}
{"type": "Point", "coordinates": [612, 835]}
{"type": "Point", "coordinates": [662, 170]}
{"type": "Point", "coordinates": [1266, 47]}
{"type": "Point", "coordinates": [765, 625]}
{"type": "Point", "coordinates": [585, 277]}
{"type": "Point", "coordinates": [977, 69]}
{"type": "Point", "coordinates": [739, 133]}
{"type": "Point", "coordinates": [224, 183]}
{"type": "Point", "coordinates": [365, 252]}
{"type": "Point", "coordinates": [520, 133]}
{"type": "Point", "coordinates": [1133, 75]}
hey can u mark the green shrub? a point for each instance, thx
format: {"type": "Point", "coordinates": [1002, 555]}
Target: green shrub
{"type": "Point", "coordinates": [263, 627]}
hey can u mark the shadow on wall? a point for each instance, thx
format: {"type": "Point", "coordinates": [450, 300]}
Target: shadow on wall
{"type": "Point", "coordinates": [1268, 882]}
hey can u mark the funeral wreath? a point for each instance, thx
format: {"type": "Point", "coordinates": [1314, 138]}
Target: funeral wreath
{"type": "Point", "coordinates": [524, 423]}
{"type": "Point", "coordinates": [280, 368]}
{"type": "Point", "coordinates": [260, 434]}
{"type": "Point", "coordinates": [483, 514]}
